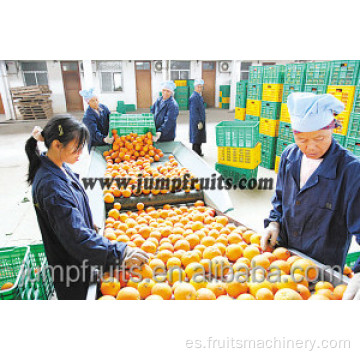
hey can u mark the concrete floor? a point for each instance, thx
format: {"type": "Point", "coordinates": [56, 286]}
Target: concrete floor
{"type": "Point", "coordinates": [18, 220]}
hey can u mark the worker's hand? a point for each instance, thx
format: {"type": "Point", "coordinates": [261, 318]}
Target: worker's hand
{"type": "Point", "coordinates": [36, 133]}
{"type": "Point", "coordinates": [135, 257]}
{"type": "Point", "coordinates": [108, 140]}
{"type": "Point", "coordinates": [200, 126]}
{"type": "Point", "coordinates": [353, 289]}
{"type": "Point", "coordinates": [157, 136]}
{"type": "Point", "coordinates": [270, 235]}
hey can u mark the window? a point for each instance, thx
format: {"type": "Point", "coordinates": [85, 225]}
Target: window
{"type": "Point", "coordinates": [142, 65]}
{"type": "Point", "coordinates": [110, 76]}
{"type": "Point", "coordinates": [208, 65]}
{"type": "Point", "coordinates": [69, 66]}
{"type": "Point", "coordinates": [180, 70]}
{"type": "Point", "coordinates": [244, 70]}
{"type": "Point", "coordinates": [35, 72]}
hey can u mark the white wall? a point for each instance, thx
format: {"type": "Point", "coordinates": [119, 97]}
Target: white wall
{"type": "Point", "coordinates": [157, 79]}
{"type": "Point", "coordinates": [222, 78]}
{"type": "Point", "coordinates": [56, 85]}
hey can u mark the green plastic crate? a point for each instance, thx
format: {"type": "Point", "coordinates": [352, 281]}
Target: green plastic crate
{"type": "Point", "coordinates": [285, 132]}
{"type": "Point", "coordinates": [15, 268]}
{"type": "Point", "coordinates": [281, 146]}
{"type": "Point", "coordinates": [290, 88]}
{"type": "Point", "coordinates": [256, 74]}
{"type": "Point", "coordinates": [225, 106]}
{"type": "Point", "coordinates": [237, 133]}
{"type": "Point", "coordinates": [354, 126]}
{"type": "Point", "coordinates": [132, 123]}
{"type": "Point", "coordinates": [317, 73]}
{"type": "Point", "coordinates": [240, 101]}
{"type": "Point", "coordinates": [274, 74]}
{"type": "Point", "coordinates": [225, 90]}
{"type": "Point", "coordinates": [268, 151]}
{"type": "Point", "coordinates": [341, 139]}
{"type": "Point", "coordinates": [316, 89]}
{"type": "Point", "coordinates": [352, 258]}
{"type": "Point", "coordinates": [130, 107]}
{"type": "Point", "coordinates": [270, 110]}
{"type": "Point", "coordinates": [353, 144]}
{"type": "Point", "coordinates": [236, 174]}
{"type": "Point", "coordinates": [241, 87]}
{"type": "Point", "coordinates": [295, 74]}
{"type": "Point", "coordinates": [254, 91]}
{"type": "Point", "coordinates": [356, 106]}
{"type": "Point", "coordinates": [43, 277]}
{"type": "Point", "coordinates": [344, 72]}
{"type": "Point", "coordinates": [252, 118]}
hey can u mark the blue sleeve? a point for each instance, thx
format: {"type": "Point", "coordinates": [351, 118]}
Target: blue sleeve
{"type": "Point", "coordinates": [153, 107]}
{"type": "Point", "coordinates": [353, 212]}
{"type": "Point", "coordinates": [200, 107]}
{"type": "Point", "coordinates": [168, 126]}
{"type": "Point", "coordinates": [77, 238]}
{"type": "Point", "coordinates": [95, 135]}
{"type": "Point", "coordinates": [276, 211]}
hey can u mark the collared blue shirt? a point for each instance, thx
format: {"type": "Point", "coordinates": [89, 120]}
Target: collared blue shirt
{"type": "Point", "coordinates": [321, 218]}
{"type": "Point", "coordinates": [197, 115]}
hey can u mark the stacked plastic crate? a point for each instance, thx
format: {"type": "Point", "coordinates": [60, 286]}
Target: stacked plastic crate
{"type": "Point", "coordinates": [342, 83]}
{"type": "Point", "coordinates": [273, 82]}
{"type": "Point", "coordinates": [294, 81]}
{"type": "Point", "coordinates": [352, 141]}
{"type": "Point", "coordinates": [224, 100]}
{"type": "Point", "coordinates": [240, 100]}
{"type": "Point", "coordinates": [182, 94]}
{"type": "Point", "coordinates": [254, 93]}
{"type": "Point", "coordinates": [239, 150]}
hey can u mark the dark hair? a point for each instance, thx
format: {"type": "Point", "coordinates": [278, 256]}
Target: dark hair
{"type": "Point", "coordinates": [64, 128]}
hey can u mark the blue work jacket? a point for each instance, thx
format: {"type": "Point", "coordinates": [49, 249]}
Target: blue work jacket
{"type": "Point", "coordinates": [65, 220]}
{"type": "Point", "coordinates": [98, 125]}
{"type": "Point", "coordinates": [321, 218]}
{"type": "Point", "coordinates": [197, 115]}
{"type": "Point", "coordinates": [165, 114]}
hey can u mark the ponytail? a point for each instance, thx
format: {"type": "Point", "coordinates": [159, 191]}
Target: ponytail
{"type": "Point", "coordinates": [33, 155]}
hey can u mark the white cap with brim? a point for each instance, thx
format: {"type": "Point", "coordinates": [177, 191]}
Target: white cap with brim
{"type": "Point", "coordinates": [310, 112]}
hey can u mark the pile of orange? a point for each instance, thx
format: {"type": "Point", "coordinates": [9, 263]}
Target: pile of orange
{"type": "Point", "coordinates": [195, 254]}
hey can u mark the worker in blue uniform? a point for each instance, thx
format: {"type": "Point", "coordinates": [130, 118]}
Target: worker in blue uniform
{"type": "Point", "coordinates": [197, 117]}
{"type": "Point", "coordinates": [166, 111]}
{"type": "Point", "coordinates": [96, 118]}
{"type": "Point", "coordinates": [316, 203]}
{"type": "Point", "coordinates": [71, 241]}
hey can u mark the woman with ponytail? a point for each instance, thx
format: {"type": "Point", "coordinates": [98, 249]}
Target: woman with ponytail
{"type": "Point", "coordinates": [63, 212]}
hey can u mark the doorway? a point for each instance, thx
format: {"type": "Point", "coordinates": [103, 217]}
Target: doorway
{"type": "Point", "coordinates": [209, 77]}
{"type": "Point", "coordinates": [2, 110]}
{"type": "Point", "coordinates": [71, 78]}
{"type": "Point", "coordinates": [143, 84]}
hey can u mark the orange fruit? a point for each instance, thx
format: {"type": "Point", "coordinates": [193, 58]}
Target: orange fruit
{"type": "Point", "coordinates": [173, 262]}
{"type": "Point", "coordinates": [220, 266]}
{"type": "Point", "coordinates": [325, 292]}
{"type": "Point", "coordinates": [144, 288]}
{"type": "Point", "coordinates": [193, 269]}
{"type": "Point", "coordinates": [286, 282]}
{"type": "Point", "coordinates": [109, 198]}
{"type": "Point", "coordinates": [7, 285]}
{"type": "Point", "coordinates": [114, 213]}
{"type": "Point", "coordinates": [235, 288]}
{"type": "Point", "coordinates": [205, 263]}
{"type": "Point", "coordinates": [247, 235]}
{"type": "Point", "coordinates": [244, 261]}
{"type": "Point", "coordinates": [255, 286]}
{"type": "Point", "coordinates": [106, 297]}
{"type": "Point", "coordinates": [303, 291]}
{"type": "Point", "coordinates": [323, 285]}
{"type": "Point", "coordinates": [251, 251]}
{"type": "Point", "coordinates": [261, 261]}
{"type": "Point", "coordinates": [292, 259]}
{"type": "Point", "coordinates": [184, 291]}
{"type": "Point", "coordinates": [174, 275]}
{"type": "Point", "coordinates": [305, 268]}
{"type": "Point", "coordinates": [145, 272]}
{"type": "Point", "coordinates": [154, 297]}
{"type": "Point", "coordinates": [109, 286]}
{"type": "Point", "coordinates": [234, 238]}
{"type": "Point", "coordinates": [287, 294]}
{"type": "Point", "coordinates": [339, 290]}
{"type": "Point", "coordinates": [140, 206]}
{"type": "Point", "coordinates": [165, 255]}
{"type": "Point", "coordinates": [234, 252]}
{"type": "Point", "coordinates": [190, 257]}
{"type": "Point", "coordinates": [255, 239]}
{"type": "Point", "coordinates": [128, 293]}
{"type": "Point", "coordinates": [193, 240]}
{"type": "Point", "coordinates": [208, 241]}
{"type": "Point", "coordinates": [223, 220]}
{"type": "Point", "coordinates": [264, 294]}
{"type": "Point", "coordinates": [318, 297]}
{"type": "Point", "coordinates": [211, 252]}
{"type": "Point", "coordinates": [198, 282]}
{"type": "Point", "coordinates": [182, 245]}
{"type": "Point", "coordinates": [280, 265]}
{"type": "Point", "coordinates": [217, 287]}
{"type": "Point", "coordinates": [149, 247]}
{"type": "Point", "coordinates": [281, 253]}
{"type": "Point", "coordinates": [224, 297]}
{"type": "Point", "coordinates": [205, 294]}
{"type": "Point", "coordinates": [163, 290]}
{"type": "Point", "coordinates": [245, 297]}
{"type": "Point", "coordinates": [157, 266]}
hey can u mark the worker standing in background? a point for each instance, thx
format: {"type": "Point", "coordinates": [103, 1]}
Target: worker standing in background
{"type": "Point", "coordinates": [316, 203]}
{"type": "Point", "coordinates": [197, 117]}
{"type": "Point", "coordinates": [63, 210]}
{"type": "Point", "coordinates": [166, 111]}
{"type": "Point", "coordinates": [96, 118]}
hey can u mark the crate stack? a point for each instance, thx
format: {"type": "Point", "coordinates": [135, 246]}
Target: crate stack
{"type": "Point", "coordinates": [294, 81]}
{"type": "Point", "coordinates": [254, 93]}
{"type": "Point", "coordinates": [239, 149]}
{"type": "Point", "coordinates": [240, 100]}
{"type": "Point", "coordinates": [182, 94]}
{"type": "Point", "coordinates": [33, 102]}
{"type": "Point", "coordinates": [342, 84]}
{"type": "Point", "coordinates": [273, 83]}
{"type": "Point", "coordinates": [224, 99]}
{"type": "Point", "coordinates": [135, 123]}
{"type": "Point", "coordinates": [352, 141]}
